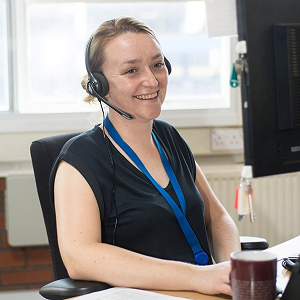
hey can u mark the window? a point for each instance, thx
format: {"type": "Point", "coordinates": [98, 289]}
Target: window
{"type": "Point", "coordinates": [4, 104]}
{"type": "Point", "coordinates": [49, 55]}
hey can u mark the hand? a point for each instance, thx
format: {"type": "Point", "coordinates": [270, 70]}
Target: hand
{"type": "Point", "coordinates": [215, 279]}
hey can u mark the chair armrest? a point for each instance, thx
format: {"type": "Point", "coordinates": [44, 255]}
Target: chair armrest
{"type": "Point", "coordinates": [67, 288]}
{"type": "Point", "coordinates": [253, 243]}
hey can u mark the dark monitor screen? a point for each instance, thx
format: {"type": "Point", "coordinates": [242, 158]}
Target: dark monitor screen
{"type": "Point", "coordinates": [270, 84]}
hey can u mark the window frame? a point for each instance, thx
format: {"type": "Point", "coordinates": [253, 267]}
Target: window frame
{"type": "Point", "coordinates": [6, 54]}
{"type": "Point", "coordinates": [13, 121]}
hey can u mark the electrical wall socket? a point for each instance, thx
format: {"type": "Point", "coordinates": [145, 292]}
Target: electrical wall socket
{"type": "Point", "coordinates": [226, 139]}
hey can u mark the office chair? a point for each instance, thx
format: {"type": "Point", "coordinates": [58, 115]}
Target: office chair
{"type": "Point", "coordinates": [43, 154]}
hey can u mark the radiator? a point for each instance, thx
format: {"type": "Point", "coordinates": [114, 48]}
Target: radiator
{"type": "Point", "coordinates": [24, 219]}
{"type": "Point", "coordinates": [276, 202]}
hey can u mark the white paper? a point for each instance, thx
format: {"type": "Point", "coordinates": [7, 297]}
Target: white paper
{"type": "Point", "coordinates": [221, 18]}
{"type": "Point", "coordinates": [126, 294]}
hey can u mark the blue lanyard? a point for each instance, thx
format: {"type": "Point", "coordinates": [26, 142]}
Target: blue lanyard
{"type": "Point", "coordinates": [201, 258]}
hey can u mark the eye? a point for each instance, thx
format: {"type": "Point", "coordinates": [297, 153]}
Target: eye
{"type": "Point", "coordinates": [159, 65]}
{"type": "Point", "coordinates": [130, 71]}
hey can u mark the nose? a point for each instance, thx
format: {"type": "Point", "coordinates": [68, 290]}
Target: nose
{"type": "Point", "coordinates": [149, 78]}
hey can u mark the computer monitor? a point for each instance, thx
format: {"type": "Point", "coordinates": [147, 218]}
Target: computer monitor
{"type": "Point", "coordinates": [270, 84]}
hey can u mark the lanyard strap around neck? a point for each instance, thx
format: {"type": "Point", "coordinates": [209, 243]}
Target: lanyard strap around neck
{"type": "Point", "coordinates": [201, 258]}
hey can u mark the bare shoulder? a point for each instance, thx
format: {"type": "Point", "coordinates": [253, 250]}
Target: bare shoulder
{"type": "Point", "coordinates": [71, 188]}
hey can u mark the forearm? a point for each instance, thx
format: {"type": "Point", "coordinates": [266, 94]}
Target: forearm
{"type": "Point", "coordinates": [223, 237]}
{"type": "Point", "coordinates": [120, 267]}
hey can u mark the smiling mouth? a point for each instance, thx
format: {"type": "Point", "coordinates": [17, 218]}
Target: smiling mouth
{"type": "Point", "coordinates": [147, 97]}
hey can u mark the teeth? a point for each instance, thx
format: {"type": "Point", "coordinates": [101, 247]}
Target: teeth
{"type": "Point", "coordinates": [146, 97]}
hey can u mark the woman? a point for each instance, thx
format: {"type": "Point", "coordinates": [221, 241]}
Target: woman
{"type": "Point", "coordinates": [114, 221]}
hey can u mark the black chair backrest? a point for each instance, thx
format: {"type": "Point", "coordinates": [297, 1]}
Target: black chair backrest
{"type": "Point", "coordinates": [43, 154]}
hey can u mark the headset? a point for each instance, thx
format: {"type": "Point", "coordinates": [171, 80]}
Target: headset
{"type": "Point", "coordinates": [97, 84]}
{"type": "Point", "coordinates": [290, 262]}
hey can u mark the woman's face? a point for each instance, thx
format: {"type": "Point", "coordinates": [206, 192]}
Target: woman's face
{"type": "Point", "coordinates": [136, 73]}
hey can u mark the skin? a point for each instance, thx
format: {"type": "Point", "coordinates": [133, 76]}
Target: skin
{"type": "Point", "coordinates": [138, 82]}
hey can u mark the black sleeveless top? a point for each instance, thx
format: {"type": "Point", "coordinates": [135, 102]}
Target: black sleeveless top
{"type": "Point", "coordinates": [146, 223]}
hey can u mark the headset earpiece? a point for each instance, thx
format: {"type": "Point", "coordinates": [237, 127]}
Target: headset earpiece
{"type": "Point", "coordinates": [98, 83]}
{"type": "Point", "coordinates": [168, 65]}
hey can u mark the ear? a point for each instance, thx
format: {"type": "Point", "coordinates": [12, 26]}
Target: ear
{"type": "Point", "coordinates": [107, 96]}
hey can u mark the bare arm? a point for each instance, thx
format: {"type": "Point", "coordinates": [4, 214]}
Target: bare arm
{"type": "Point", "coordinates": [87, 258]}
{"type": "Point", "coordinates": [222, 231]}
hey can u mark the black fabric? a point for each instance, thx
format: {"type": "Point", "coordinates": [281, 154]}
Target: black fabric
{"type": "Point", "coordinates": [146, 223]}
{"type": "Point", "coordinates": [67, 288]}
{"type": "Point", "coordinates": [43, 154]}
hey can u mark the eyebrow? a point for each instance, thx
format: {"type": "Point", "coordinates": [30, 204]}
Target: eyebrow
{"type": "Point", "coordinates": [134, 61]}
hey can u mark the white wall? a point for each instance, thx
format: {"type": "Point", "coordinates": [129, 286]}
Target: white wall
{"type": "Point", "coordinates": [15, 155]}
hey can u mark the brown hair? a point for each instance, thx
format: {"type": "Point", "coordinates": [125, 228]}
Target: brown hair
{"type": "Point", "coordinates": [107, 31]}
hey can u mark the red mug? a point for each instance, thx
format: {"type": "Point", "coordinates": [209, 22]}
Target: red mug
{"type": "Point", "coordinates": [253, 275]}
